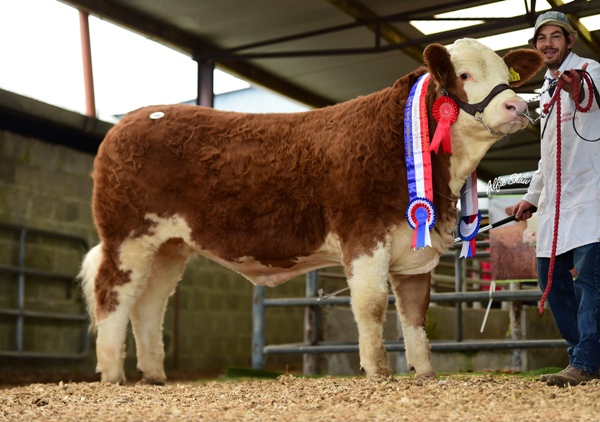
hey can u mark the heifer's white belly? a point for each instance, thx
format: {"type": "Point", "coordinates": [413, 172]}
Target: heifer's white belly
{"type": "Point", "coordinates": [403, 259]}
{"type": "Point", "coordinates": [163, 229]}
{"type": "Point", "coordinates": [329, 254]}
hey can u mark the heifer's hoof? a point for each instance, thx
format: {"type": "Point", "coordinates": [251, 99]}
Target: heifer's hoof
{"type": "Point", "coordinates": [426, 377]}
{"type": "Point", "coordinates": [145, 381]}
{"type": "Point", "coordinates": [152, 377]}
{"type": "Point", "coordinates": [385, 372]}
{"type": "Point", "coordinates": [113, 378]}
{"type": "Point", "coordinates": [157, 379]}
{"type": "Point", "coordinates": [381, 372]}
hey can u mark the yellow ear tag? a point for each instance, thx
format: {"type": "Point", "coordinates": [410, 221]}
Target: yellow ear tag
{"type": "Point", "coordinates": [513, 76]}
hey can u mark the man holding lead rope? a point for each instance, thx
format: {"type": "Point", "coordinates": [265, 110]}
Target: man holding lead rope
{"type": "Point", "coordinates": [566, 191]}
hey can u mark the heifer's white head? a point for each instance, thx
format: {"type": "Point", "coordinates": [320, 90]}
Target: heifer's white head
{"type": "Point", "coordinates": [480, 83]}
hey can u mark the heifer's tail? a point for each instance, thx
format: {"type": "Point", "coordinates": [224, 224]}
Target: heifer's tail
{"type": "Point", "coordinates": [87, 275]}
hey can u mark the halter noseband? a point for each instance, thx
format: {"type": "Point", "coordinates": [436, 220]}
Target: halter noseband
{"type": "Point", "coordinates": [473, 109]}
{"type": "Point", "coordinates": [476, 110]}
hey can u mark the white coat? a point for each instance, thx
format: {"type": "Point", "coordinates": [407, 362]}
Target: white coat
{"type": "Point", "coordinates": [579, 222]}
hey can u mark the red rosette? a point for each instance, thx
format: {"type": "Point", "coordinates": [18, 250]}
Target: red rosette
{"type": "Point", "coordinates": [445, 108]}
{"type": "Point", "coordinates": [445, 111]}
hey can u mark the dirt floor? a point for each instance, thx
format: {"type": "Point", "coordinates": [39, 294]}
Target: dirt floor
{"type": "Point", "coordinates": [487, 397]}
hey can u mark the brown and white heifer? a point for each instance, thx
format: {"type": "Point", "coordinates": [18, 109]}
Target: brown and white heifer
{"type": "Point", "coordinates": [272, 196]}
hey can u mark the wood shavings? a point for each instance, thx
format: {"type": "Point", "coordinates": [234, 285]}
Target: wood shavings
{"type": "Point", "coordinates": [289, 398]}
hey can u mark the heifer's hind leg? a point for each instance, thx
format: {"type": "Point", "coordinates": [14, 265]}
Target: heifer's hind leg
{"type": "Point", "coordinates": [148, 312]}
{"type": "Point", "coordinates": [369, 298]}
{"type": "Point", "coordinates": [121, 278]}
{"type": "Point", "coordinates": [412, 301]}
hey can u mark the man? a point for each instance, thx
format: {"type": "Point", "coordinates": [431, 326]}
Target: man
{"type": "Point", "coordinates": [575, 302]}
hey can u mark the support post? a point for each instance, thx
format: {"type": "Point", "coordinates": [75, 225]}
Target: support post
{"type": "Point", "coordinates": [310, 364]}
{"type": "Point", "coordinates": [516, 329]}
{"type": "Point", "coordinates": [258, 327]}
{"type": "Point", "coordinates": [458, 273]}
{"type": "Point", "coordinates": [86, 55]}
{"type": "Point", "coordinates": [21, 291]}
{"type": "Point", "coordinates": [206, 96]}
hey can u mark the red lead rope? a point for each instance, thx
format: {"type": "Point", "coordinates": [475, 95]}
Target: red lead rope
{"type": "Point", "coordinates": [556, 99]}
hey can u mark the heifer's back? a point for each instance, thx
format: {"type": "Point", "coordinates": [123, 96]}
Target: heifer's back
{"type": "Point", "coordinates": [231, 177]}
{"type": "Point", "coordinates": [273, 196]}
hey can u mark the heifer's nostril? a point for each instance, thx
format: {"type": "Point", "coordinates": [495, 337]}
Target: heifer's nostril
{"type": "Point", "coordinates": [516, 106]}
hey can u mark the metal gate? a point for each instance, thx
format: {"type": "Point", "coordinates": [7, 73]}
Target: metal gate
{"type": "Point", "coordinates": [311, 346]}
{"type": "Point", "coordinates": [21, 314]}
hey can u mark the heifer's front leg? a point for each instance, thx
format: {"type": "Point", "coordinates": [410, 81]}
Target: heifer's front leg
{"type": "Point", "coordinates": [367, 278]}
{"type": "Point", "coordinates": [412, 300]}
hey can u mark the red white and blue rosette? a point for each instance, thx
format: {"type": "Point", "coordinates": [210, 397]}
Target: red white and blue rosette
{"type": "Point", "coordinates": [421, 218]}
{"type": "Point", "coordinates": [468, 227]}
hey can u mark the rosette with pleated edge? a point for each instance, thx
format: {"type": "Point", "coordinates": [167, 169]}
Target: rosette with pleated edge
{"type": "Point", "coordinates": [468, 227]}
{"type": "Point", "coordinates": [421, 218]}
{"type": "Point", "coordinates": [445, 112]}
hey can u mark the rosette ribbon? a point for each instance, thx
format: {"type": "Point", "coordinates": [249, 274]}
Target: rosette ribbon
{"type": "Point", "coordinates": [470, 216]}
{"type": "Point", "coordinates": [420, 213]}
{"type": "Point", "coordinates": [445, 112]}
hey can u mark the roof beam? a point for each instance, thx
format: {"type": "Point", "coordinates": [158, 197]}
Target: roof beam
{"type": "Point", "coordinates": [195, 46]}
{"type": "Point", "coordinates": [358, 11]}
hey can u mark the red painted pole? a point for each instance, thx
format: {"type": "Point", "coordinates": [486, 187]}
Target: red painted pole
{"type": "Point", "coordinates": [86, 55]}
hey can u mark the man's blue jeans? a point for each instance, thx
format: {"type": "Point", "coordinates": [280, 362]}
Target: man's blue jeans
{"type": "Point", "coordinates": [575, 303]}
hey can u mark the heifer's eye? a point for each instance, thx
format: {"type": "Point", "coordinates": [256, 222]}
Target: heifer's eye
{"type": "Point", "coordinates": [464, 76]}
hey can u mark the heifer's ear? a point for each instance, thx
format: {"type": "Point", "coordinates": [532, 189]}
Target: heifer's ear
{"type": "Point", "coordinates": [437, 60]}
{"type": "Point", "coordinates": [523, 65]}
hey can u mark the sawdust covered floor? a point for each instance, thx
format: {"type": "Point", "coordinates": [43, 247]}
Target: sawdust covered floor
{"type": "Point", "coordinates": [452, 398]}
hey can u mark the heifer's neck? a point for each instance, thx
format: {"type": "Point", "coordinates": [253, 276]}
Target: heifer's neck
{"type": "Point", "coordinates": [467, 152]}
{"type": "Point", "coordinates": [469, 144]}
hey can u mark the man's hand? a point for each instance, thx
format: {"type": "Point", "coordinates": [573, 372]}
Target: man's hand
{"type": "Point", "coordinates": [568, 77]}
{"type": "Point", "coordinates": [522, 210]}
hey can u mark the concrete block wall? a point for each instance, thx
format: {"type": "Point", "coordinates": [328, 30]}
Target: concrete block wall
{"type": "Point", "coordinates": [46, 186]}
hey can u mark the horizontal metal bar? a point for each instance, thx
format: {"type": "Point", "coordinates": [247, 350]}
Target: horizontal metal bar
{"type": "Point", "coordinates": [479, 254]}
{"type": "Point", "coordinates": [357, 23]}
{"type": "Point", "coordinates": [425, 40]}
{"type": "Point", "coordinates": [54, 235]}
{"type": "Point", "coordinates": [33, 272]}
{"type": "Point", "coordinates": [396, 346]}
{"type": "Point", "coordinates": [489, 24]}
{"type": "Point", "coordinates": [503, 295]}
{"type": "Point", "coordinates": [326, 274]}
{"type": "Point", "coordinates": [43, 314]}
{"type": "Point", "coordinates": [509, 191]}
{"type": "Point", "coordinates": [43, 355]}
